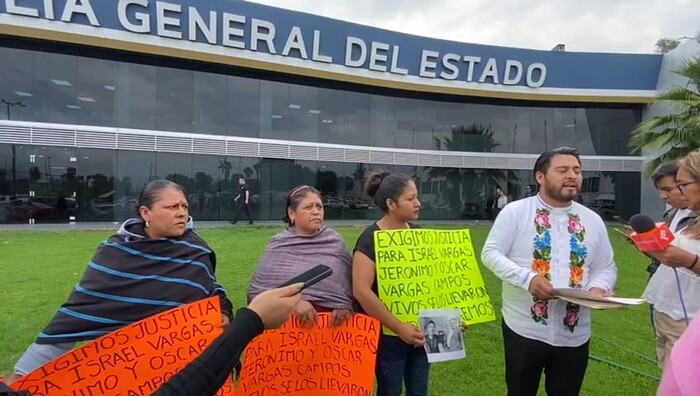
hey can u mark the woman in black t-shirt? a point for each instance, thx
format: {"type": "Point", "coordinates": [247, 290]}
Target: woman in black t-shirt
{"type": "Point", "coordinates": [400, 359]}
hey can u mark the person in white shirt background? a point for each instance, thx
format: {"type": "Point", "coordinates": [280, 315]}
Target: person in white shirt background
{"type": "Point", "coordinates": [537, 244]}
{"type": "Point", "coordinates": [673, 294]}
{"type": "Point", "coordinates": [499, 202]}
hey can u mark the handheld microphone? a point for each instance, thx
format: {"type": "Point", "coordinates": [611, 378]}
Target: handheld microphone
{"type": "Point", "coordinates": [649, 236]}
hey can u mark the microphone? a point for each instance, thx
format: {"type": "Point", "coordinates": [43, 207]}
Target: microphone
{"type": "Point", "coordinates": [649, 236]}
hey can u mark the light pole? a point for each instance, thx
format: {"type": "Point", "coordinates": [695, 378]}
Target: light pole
{"type": "Point", "coordinates": [10, 105]}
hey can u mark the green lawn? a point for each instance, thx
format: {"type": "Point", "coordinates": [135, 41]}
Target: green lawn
{"type": "Point", "coordinates": [39, 269]}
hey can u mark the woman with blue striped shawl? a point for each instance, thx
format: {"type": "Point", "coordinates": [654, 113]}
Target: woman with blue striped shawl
{"type": "Point", "coordinates": [153, 263]}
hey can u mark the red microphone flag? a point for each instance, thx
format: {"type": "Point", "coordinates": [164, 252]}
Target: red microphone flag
{"type": "Point", "coordinates": [658, 238]}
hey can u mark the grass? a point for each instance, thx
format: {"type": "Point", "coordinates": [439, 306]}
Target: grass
{"type": "Point", "coordinates": [39, 269]}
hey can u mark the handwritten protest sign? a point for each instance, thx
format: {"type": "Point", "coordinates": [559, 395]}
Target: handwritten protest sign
{"type": "Point", "coordinates": [430, 269]}
{"type": "Point", "coordinates": [134, 360]}
{"type": "Point", "coordinates": [322, 361]}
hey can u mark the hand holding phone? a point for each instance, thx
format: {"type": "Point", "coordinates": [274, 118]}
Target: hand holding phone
{"type": "Point", "coordinates": [310, 277]}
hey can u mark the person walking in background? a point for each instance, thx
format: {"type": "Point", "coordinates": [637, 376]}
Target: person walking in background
{"type": "Point", "coordinates": [535, 245]}
{"type": "Point", "coordinates": [242, 201]}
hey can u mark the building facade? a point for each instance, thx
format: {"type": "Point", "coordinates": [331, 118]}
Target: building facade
{"type": "Point", "coordinates": [101, 97]}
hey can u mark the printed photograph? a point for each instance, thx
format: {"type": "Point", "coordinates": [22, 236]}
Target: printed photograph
{"type": "Point", "coordinates": [443, 337]}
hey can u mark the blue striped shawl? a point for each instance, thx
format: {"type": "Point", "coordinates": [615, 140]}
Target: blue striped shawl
{"type": "Point", "coordinates": [131, 277]}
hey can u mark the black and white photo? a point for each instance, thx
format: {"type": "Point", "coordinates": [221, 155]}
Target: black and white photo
{"type": "Point", "coordinates": [443, 336]}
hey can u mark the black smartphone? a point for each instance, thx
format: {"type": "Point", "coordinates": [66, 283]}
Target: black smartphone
{"type": "Point", "coordinates": [310, 277]}
{"type": "Point", "coordinates": [621, 220]}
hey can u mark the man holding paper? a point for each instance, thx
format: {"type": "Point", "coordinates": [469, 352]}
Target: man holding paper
{"type": "Point", "coordinates": [536, 244]}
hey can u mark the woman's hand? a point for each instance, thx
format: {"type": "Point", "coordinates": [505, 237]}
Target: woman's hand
{"type": "Point", "coordinates": [339, 316]}
{"type": "Point", "coordinates": [674, 256]}
{"type": "Point", "coordinates": [307, 314]}
{"type": "Point", "coordinates": [411, 335]}
{"type": "Point", "coordinates": [275, 306]}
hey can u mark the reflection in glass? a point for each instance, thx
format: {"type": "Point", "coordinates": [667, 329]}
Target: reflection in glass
{"type": "Point", "coordinates": [103, 185]}
{"type": "Point", "coordinates": [81, 90]}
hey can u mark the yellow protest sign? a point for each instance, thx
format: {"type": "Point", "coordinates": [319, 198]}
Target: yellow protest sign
{"type": "Point", "coordinates": [430, 269]}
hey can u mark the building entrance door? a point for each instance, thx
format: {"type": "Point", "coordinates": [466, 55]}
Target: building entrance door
{"type": "Point", "coordinates": [54, 185]}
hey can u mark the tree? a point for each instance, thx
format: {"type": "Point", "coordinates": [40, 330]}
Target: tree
{"type": "Point", "coordinates": [203, 182]}
{"type": "Point", "coordinates": [664, 45]}
{"type": "Point", "coordinates": [470, 185]}
{"type": "Point", "coordinates": [678, 132]}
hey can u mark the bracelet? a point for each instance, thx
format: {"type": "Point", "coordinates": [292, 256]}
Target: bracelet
{"type": "Point", "coordinates": [694, 262]}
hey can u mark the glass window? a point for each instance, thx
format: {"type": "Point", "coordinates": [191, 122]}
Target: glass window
{"type": "Point", "coordinates": [174, 96]}
{"type": "Point", "coordinates": [134, 170]}
{"type": "Point", "coordinates": [55, 76]}
{"type": "Point", "coordinates": [81, 90]}
{"type": "Point", "coordinates": [96, 91]}
{"type": "Point", "coordinates": [176, 167]}
{"type": "Point", "coordinates": [206, 188]}
{"type": "Point", "coordinates": [210, 103]}
{"type": "Point", "coordinates": [96, 170]}
{"type": "Point", "coordinates": [18, 86]}
{"type": "Point", "coordinates": [248, 107]}
{"type": "Point", "coordinates": [273, 187]}
{"type": "Point", "coordinates": [16, 176]}
{"type": "Point", "coordinates": [59, 186]}
{"type": "Point", "coordinates": [135, 92]}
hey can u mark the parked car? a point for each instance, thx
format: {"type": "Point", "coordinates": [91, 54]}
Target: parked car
{"type": "Point", "coordinates": [358, 204]}
{"type": "Point", "coordinates": [334, 203]}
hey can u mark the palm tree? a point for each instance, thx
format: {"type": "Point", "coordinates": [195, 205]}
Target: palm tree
{"type": "Point", "coordinates": [679, 132]}
{"type": "Point", "coordinates": [470, 184]}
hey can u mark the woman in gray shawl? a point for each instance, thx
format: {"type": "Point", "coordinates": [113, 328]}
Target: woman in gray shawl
{"type": "Point", "coordinates": [305, 244]}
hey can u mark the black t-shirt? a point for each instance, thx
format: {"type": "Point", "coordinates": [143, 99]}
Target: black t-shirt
{"type": "Point", "coordinates": [365, 245]}
{"type": "Point", "coordinates": [240, 198]}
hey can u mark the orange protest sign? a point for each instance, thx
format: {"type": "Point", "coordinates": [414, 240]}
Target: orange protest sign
{"type": "Point", "coordinates": [134, 360]}
{"type": "Point", "coordinates": [322, 361]}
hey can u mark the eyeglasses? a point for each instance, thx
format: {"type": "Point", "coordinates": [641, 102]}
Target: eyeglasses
{"type": "Point", "coordinates": [681, 186]}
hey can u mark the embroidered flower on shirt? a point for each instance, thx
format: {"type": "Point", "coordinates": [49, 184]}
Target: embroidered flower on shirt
{"type": "Point", "coordinates": [543, 241]}
{"type": "Point", "coordinates": [571, 318]}
{"type": "Point", "coordinates": [541, 264]}
{"type": "Point", "coordinates": [541, 267]}
{"type": "Point", "coordinates": [576, 275]}
{"type": "Point", "coordinates": [542, 219]}
{"type": "Point", "coordinates": [539, 311]}
{"type": "Point", "coordinates": [577, 257]}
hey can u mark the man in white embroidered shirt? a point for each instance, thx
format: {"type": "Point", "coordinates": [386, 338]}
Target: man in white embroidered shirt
{"type": "Point", "coordinates": [537, 244]}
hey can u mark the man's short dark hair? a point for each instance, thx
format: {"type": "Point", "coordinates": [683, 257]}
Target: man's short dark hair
{"type": "Point", "coordinates": [667, 169]}
{"type": "Point", "coordinates": [545, 159]}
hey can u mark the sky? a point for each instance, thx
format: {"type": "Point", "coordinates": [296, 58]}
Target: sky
{"type": "Point", "coordinates": [627, 26]}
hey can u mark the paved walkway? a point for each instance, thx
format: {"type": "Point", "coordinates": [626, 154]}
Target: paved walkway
{"type": "Point", "coordinates": [211, 224]}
